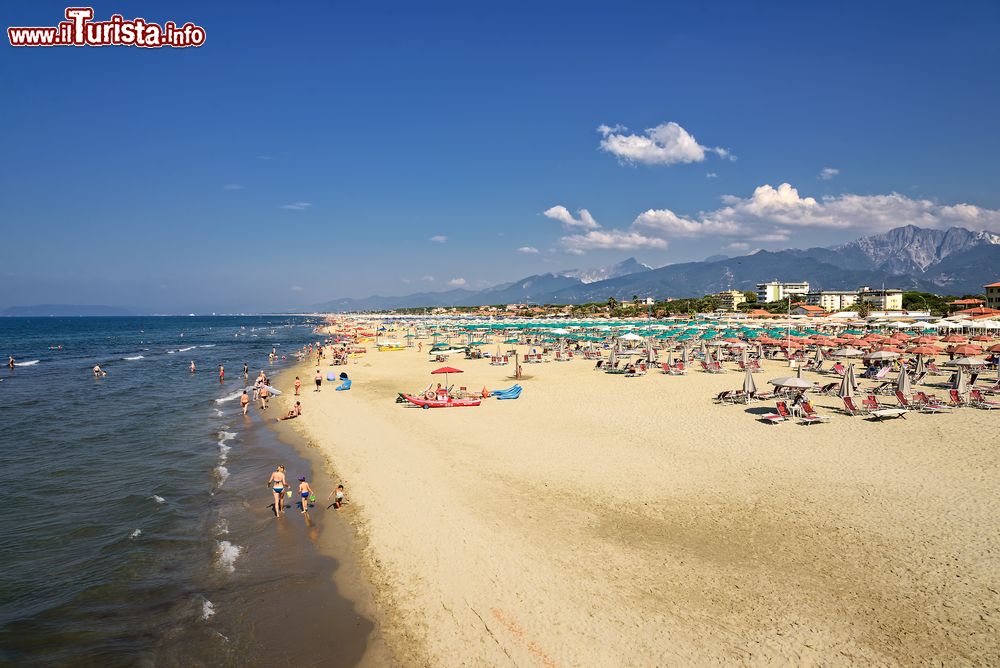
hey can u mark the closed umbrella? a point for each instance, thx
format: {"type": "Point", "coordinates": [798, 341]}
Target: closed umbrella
{"type": "Point", "coordinates": [749, 385]}
{"type": "Point", "coordinates": [846, 387]}
{"type": "Point", "coordinates": [961, 382]}
{"type": "Point", "coordinates": [819, 354]}
{"type": "Point", "coordinates": [903, 382]}
{"type": "Point", "coordinates": [853, 380]}
{"type": "Point", "coordinates": [684, 355]}
{"type": "Point", "coordinates": [920, 367]}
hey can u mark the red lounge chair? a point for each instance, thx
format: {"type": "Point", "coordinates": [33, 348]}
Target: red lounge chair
{"type": "Point", "coordinates": [919, 406]}
{"type": "Point", "coordinates": [810, 416]}
{"type": "Point", "coordinates": [921, 399]}
{"type": "Point", "coordinates": [781, 416]}
{"type": "Point", "coordinates": [977, 399]}
{"type": "Point", "coordinates": [871, 403]}
{"type": "Point", "coordinates": [956, 399]}
{"type": "Point", "coordinates": [839, 369]}
{"type": "Point", "coordinates": [853, 408]}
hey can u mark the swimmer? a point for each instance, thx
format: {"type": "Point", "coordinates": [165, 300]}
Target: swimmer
{"type": "Point", "coordinates": [99, 372]}
{"type": "Point", "coordinates": [222, 373]}
{"type": "Point", "coordinates": [305, 491]}
{"type": "Point", "coordinates": [277, 484]}
{"type": "Point", "coordinates": [10, 363]}
{"type": "Point", "coordinates": [192, 366]}
{"type": "Point", "coordinates": [246, 371]}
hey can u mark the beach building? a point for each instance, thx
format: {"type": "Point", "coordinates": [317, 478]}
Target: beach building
{"type": "Point", "coordinates": [731, 299]}
{"type": "Point", "coordinates": [992, 295]}
{"type": "Point", "coordinates": [801, 308]}
{"type": "Point", "coordinates": [776, 290]}
{"type": "Point", "coordinates": [886, 299]}
{"type": "Point", "coordinates": [832, 300]}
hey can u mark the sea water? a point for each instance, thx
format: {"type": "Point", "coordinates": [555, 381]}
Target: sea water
{"type": "Point", "coordinates": [134, 513]}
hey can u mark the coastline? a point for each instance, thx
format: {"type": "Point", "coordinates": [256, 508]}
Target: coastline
{"type": "Point", "coordinates": [599, 519]}
{"type": "Point", "coordinates": [340, 538]}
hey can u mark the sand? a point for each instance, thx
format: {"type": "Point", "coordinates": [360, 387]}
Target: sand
{"type": "Point", "coordinates": [603, 520]}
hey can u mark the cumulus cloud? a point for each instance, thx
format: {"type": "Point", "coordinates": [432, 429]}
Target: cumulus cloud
{"type": "Point", "coordinates": [429, 279]}
{"type": "Point", "coordinates": [828, 173]}
{"type": "Point", "coordinates": [737, 246]}
{"type": "Point", "coordinates": [665, 144]}
{"type": "Point", "coordinates": [562, 214]}
{"type": "Point", "coordinates": [438, 239]}
{"type": "Point", "coordinates": [775, 214]}
{"type": "Point", "coordinates": [297, 206]}
{"type": "Point", "coordinates": [456, 282]}
{"type": "Point", "coordinates": [577, 244]}
{"type": "Point", "coordinates": [527, 249]}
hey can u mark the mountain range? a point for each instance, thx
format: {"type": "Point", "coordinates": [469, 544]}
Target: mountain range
{"type": "Point", "coordinates": [954, 261]}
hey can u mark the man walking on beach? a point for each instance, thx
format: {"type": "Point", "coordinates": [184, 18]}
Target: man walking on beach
{"type": "Point", "coordinates": [319, 380]}
{"type": "Point", "coordinates": [263, 397]}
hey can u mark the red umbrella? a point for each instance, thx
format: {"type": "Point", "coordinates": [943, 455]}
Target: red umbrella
{"type": "Point", "coordinates": [995, 348]}
{"type": "Point", "coordinates": [966, 350]}
{"type": "Point", "coordinates": [446, 370]}
{"type": "Point", "coordinates": [926, 339]}
{"type": "Point", "coordinates": [924, 350]}
{"type": "Point", "coordinates": [954, 338]}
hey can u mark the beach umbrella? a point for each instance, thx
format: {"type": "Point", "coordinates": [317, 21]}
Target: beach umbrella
{"type": "Point", "coordinates": [961, 383]}
{"type": "Point", "coordinates": [446, 370]}
{"type": "Point", "coordinates": [684, 355]}
{"type": "Point", "coordinates": [882, 355]}
{"type": "Point", "coordinates": [848, 352]}
{"type": "Point", "coordinates": [749, 385]}
{"type": "Point", "coordinates": [846, 386]}
{"type": "Point", "coordinates": [954, 338]}
{"type": "Point", "coordinates": [966, 350]}
{"type": "Point", "coordinates": [853, 379]}
{"type": "Point", "coordinates": [819, 355]}
{"type": "Point", "coordinates": [903, 382]}
{"type": "Point", "coordinates": [792, 382]}
{"type": "Point", "coordinates": [994, 348]}
{"type": "Point", "coordinates": [970, 361]}
{"type": "Point", "coordinates": [919, 370]}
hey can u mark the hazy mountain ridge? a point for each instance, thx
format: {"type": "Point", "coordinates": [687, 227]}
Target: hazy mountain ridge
{"type": "Point", "coordinates": [951, 261]}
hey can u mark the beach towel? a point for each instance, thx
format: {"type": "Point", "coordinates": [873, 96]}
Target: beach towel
{"type": "Point", "coordinates": [346, 385]}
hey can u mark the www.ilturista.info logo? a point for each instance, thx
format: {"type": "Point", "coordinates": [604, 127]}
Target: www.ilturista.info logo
{"type": "Point", "coordinates": [80, 30]}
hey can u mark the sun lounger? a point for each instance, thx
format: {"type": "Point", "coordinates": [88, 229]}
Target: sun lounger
{"type": "Point", "coordinates": [919, 406]}
{"type": "Point", "coordinates": [956, 399]}
{"type": "Point", "coordinates": [829, 388]}
{"type": "Point", "coordinates": [885, 387]}
{"type": "Point", "coordinates": [977, 399]}
{"type": "Point", "coordinates": [781, 416]}
{"type": "Point", "coordinates": [852, 408]}
{"type": "Point", "coordinates": [810, 416]}
{"type": "Point", "coordinates": [888, 414]}
{"type": "Point", "coordinates": [839, 369]}
{"type": "Point", "coordinates": [932, 368]}
{"type": "Point", "coordinates": [922, 399]}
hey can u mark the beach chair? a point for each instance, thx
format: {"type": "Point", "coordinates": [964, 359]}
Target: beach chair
{"type": "Point", "coordinates": [881, 373]}
{"type": "Point", "coordinates": [723, 397]}
{"type": "Point", "coordinates": [781, 416]}
{"type": "Point", "coordinates": [704, 367]}
{"type": "Point", "coordinates": [852, 408]}
{"type": "Point", "coordinates": [810, 416]}
{"type": "Point", "coordinates": [977, 399]}
{"type": "Point", "coordinates": [885, 387]}
{"type": "Point", "coordinates": [922, 399]}
{"type": "Point", "coordinates": [679, 369]}
{"type": "Point", "coordinates": [956, 399]}
{"type": "Point", "coordinates": [839, 369]}
{"type": "Point", "coordinates": [918, 406]}
{"type": "Point", "coordinates": [871, 403]}
{"type": "Point", "coordinates": [829, 388]}
{"type": "Point", "coordinates": [931, 367]}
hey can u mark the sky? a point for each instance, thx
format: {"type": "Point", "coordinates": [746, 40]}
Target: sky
{"type": "Point", "coordinates": [315, 150]}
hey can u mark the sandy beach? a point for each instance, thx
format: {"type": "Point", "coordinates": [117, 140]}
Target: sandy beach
{"type": "Point", "coordinates": [604, 520]}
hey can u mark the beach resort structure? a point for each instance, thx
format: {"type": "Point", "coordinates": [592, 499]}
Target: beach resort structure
{"type": "Point", "coordinates": [886, 299]}
{"type": "Point", "coordinates": [775, 291]}
{"type": "Point", "coordinates": [731, 299]}
{"type": "Point", "coordinates": [992, 295]}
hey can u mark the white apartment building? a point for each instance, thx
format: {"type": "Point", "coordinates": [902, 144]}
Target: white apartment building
{"type": "Point", "coordinates": [833, 300]}
{"type": "Point", "coordinates": [776, 291]}
{"type": "Point", "coordinates": [888, 299]}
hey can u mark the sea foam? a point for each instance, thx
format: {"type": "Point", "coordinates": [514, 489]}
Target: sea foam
{"type": "Point", "coordinates": [157, 498]}
{"type": "Point", "coordinates": [207, 609]}
{"type": "Point", "coordinates": [226, 554]}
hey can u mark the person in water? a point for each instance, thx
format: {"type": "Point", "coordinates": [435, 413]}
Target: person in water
{"type": "Point", "coordinates": [246, 371]}
{"type": "Point", "coordinates": [192, 366]}
{"type": "Point", "coordinates": [277, 483]}
{"type": "Point", "coordinates": [10, 363]}
{"type": "Point", "coordinates": [99, 372]}
{"type": "Point", "coordinates": [305, 491]}
{"type": "Point", "coordinates": [295, 411]}
{"type": "Point", "coordinates": [222, 373]}
{"type": "Point", "coordinates": [245, 402]}
{"type": "Point", "coordinates": [264, 394]}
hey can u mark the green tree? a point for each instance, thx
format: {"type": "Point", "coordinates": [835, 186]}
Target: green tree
{"type": "Point", "coordinates": [751, 296]}
{"type": "Point", "coordinates": [864, 309]}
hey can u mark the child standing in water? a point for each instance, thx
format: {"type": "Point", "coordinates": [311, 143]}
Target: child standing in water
{"type": "Point", "coordinates": [305, 491]}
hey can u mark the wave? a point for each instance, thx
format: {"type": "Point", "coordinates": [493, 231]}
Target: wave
{"type": "Point", "coordinates": [171, 352]}
{"type": "Point", "coordinates": [28, 363]}
{"type": "Point", "coordinates": [207, 345]}
{"type": "Point", "coordinates": [157, 498]}
{"type": "Point", "coordinates": [222, 472]}
{"type": "Point", "coordinates": [133, 358]}
{"type": "Point", "coordinates": [231, 396]}
{"type": "Point", "coordinates": [223, 448]}
{"type": "Point", "coordinates": [226, 554]}
{"type": "Point", "coordinates": [135, 534]}
{"type": "Point", "coordinates": [184, 350]}
{"type": "Point", "coordinates": [207, 609]}
{"type": "Point", "coordinates": [222, 527]}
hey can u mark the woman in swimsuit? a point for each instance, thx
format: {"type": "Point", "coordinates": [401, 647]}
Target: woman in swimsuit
{"type": "Point", "coordinates": [277, 484]}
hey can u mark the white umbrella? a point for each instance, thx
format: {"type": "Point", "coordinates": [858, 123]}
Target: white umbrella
{"type": "Point", "coordinates": [791, 381]}
{"type": "Point", "coordinates": [749, 385]}
{"type": "Point", "coordinates": [903, 382]}
{"type": "Point", "coordinates": [846, 386]}
{"type": "Point", "coordinates": [882, 355]}
{"type": "Point", "coordinates": [848, 352]}
{"type": "Point", "coordinates": [970, 361]}
{"type": "Point", "coordinates": [961, 383]}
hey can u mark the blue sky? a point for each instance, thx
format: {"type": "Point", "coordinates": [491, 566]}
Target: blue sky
{"type": "Point", "coordinates": [310, 151]}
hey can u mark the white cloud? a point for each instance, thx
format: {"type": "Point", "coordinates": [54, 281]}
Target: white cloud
{"type": "Point", "coordinates": [232, 186]}
{"type": "Point", "coordinates": [737, 246]}
{"type": "Point", "coordinates": [828, 173]}
{"type": "Point", "coordinates": [438, 239]}
{"type": "Point", "coordinates": [577, 244]}
{"type": "Point", "coordinates": [777, 214]}
{"type": "Point", "coordinates": [297, 206]}
{"type": "Point", "coordinates": [527, 249]}
{"type": "Point", "coordinates": [562, 214]}
{"type": "Point", "coordinates": [711, 175]}
{"type": "Point", "coordinates": [665, 144]}
{"type": "Point", "coordinates": [429, 279]}
{"type": "Point", "coordinates": [297, 288]}
{"type": "Point", "coordinates": [456, 282]}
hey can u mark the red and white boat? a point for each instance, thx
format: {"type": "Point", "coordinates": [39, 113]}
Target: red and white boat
{"type": "Point", "coordinates": [441, 403]}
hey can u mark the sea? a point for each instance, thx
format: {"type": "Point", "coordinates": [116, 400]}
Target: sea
{"type": "Point", "coordinates": [137, 525]}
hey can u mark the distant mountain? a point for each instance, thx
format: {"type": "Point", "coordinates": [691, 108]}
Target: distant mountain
{"type": "Point", "coordinates": [63, 310]}
{"type": "Point", "coordinates": [623, 268]}
{"type": "Point", "coordinates": [953, 261]}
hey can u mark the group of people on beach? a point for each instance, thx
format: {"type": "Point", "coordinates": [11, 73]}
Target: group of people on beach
{"type": "Point", "coordinates": [280, 489]}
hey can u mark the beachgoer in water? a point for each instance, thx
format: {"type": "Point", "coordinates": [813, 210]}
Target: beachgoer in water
{"type": "Point", "coordinates": [319, 380]}
{"type": "Point", "coordinates": [222, 373]}
{"type": "Point", "coordinates": [277, 483]}
{"type": "Point", "coordinates": [305, 491]}
{"type": "Point", "coordinates": [98, 371]}
{"type": "Point", "coordinates": [298, 385]}
{"type": "Point", "coordinates": [339, 498]}
{"type": "Point", "coordinates": [245, 402]}
{"type": "Point", "coordinates": [10, 361]}
{"type": "Point", "coordinates": [295, 411]}
{"type": "Point", "coordinates": [246, 371]}
{"type": "Point", "coordinates": [264, 394]}
{"type": "Point", "coordinates": [192, 366]}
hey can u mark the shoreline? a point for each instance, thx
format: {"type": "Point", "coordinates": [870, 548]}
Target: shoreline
{"type": "Point", "coordinates": [341, 539]}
